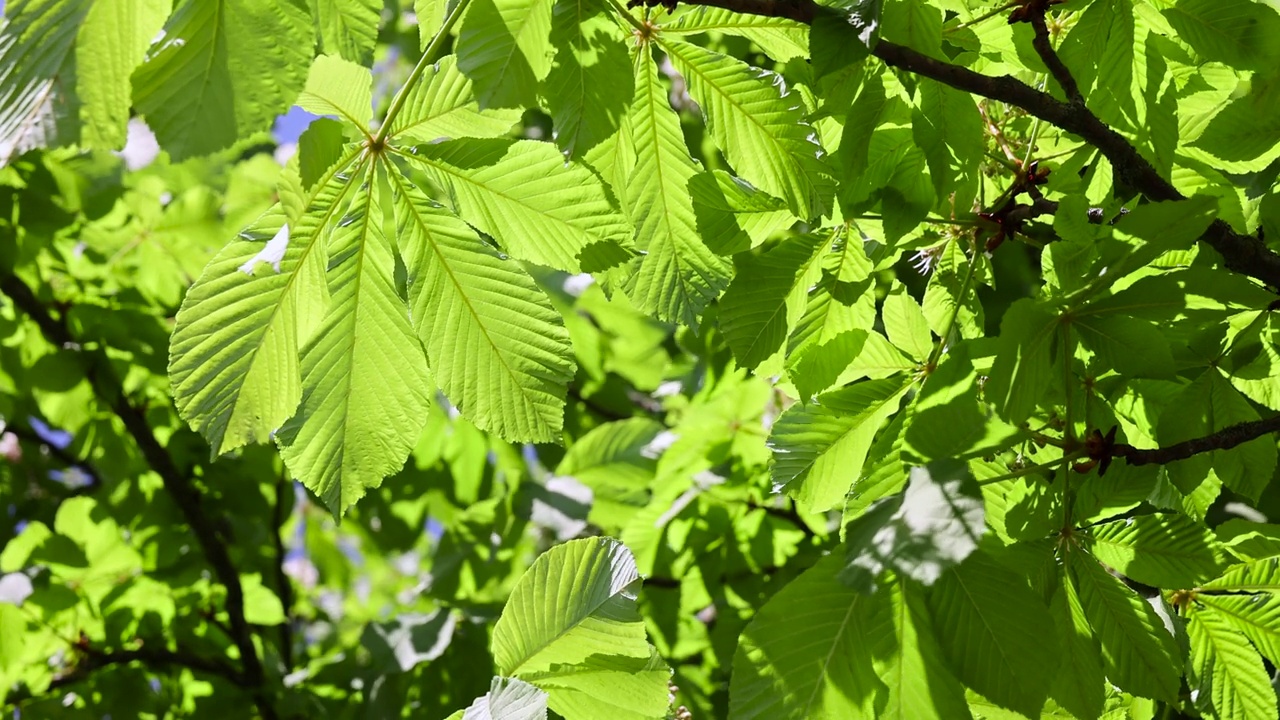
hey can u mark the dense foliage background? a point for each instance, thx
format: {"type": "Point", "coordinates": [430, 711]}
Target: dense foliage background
{"type": "Point", "coordinates": [739, 358]}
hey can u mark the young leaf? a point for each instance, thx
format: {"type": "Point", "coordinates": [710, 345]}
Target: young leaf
{"type": "Point", "coordinates": [496, 347]}
{"type": "Point", "coordinates": [1227, 669]}
{"type": "Point", "coordinates": [759, 127]}
{"type": "Point", "coordinates": [818, 450]}
{"type": "Point", "coordinates": [523, 194]}
{"type": "Point", "coordinates": [838, 680]}
{"type": "Point", "coordinates": [365, 390]}
{"type": "Point", "coordinates": [996, 633]}
{"type": "Point", "coordinates": [1138, 653]}
{"type": "Point", "coordinates": [572, 628]}
{"type": "Point", "coordinates": [198, 95]}
{"type": "Point", "coordinates": [678, 275]}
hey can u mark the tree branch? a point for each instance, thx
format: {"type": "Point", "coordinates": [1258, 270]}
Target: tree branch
{"type": "Point", "coordinates": [1244, 254]}
{"type": "Point", "coordinates": [283, 586]}
{"type": "Point", "coordinates": [94, 659]}
{"type": "Point", "coordinates": [1224, 439]}
{"type": "Point", "coordinates": [1043, 44]}
{"type": "Point", "coordinates": [110, 391]}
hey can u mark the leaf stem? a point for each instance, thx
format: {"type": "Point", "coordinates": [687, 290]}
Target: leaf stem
{"type": "Point", "coordinates": [429, 56]}
{"type": "Point", "coordinates": [955, 313]}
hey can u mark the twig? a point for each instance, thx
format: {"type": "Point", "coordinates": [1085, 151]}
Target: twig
{"type": "Point", "coordinates": [1224, 439]}
{"type": "Point", "coordinates": [283, 587]}
{"type": "Point", "coordinates": [110, 392]}
{"type": "Point", "coordinates": [93, 659]}
{"type": "Point", "coordinates": [1244, 254]}
{"type": "Point", "coordinates": [1043, 44]}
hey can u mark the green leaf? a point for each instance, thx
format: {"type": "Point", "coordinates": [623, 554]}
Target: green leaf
{"type": "Point", "coordinates": [836, 680]}
{"type": "Point", "coordinates": [616, 462]}
{"type": "Point", "coordinates": [590, 85]}
{"type": "Point", "coordinates": [339, 87]}
{"type": "Point", "coordinates": [914, 24]}
{"type": "Point", "coordinates": [948, 418]}
{"type": "Point", "coordinates": [111, 43]}
{"type": "Point", "coordinates": [504, 47]}
{"type": "Point", "coordinates": [1130, 346]}
{"type": "Point", "coordinates": [780, 38]}
{"type": "Point", "coordinates": [261, 605]}
{"type": "Point", "coordinates": [949, 296]}
{"type": "Point", "coordinates": [1163, 550]}
{"type": "Point", "coordinates": [753, 311]}
{"type": "Point", "coordinates": [819, 449]}
{"type": "Point", "coordinates": [217, 85]}
{"type": "Point", "coordinates": [523, 194]}
{"type": "Point", "coordinates": [509, 699]}
{"type": "Point", "coordinates": [732, 215]}
{"type": "Point", "coordinates": [905, 325]}
{"type": "Point", "coordinates": [931, 527]}
{"type": "Point", "coordinates": [430, 16]}
{"type": "Point", "coordinates": [1208, 405]}
{"type": "Point", "coordinates": [759, 127]}
{"type": "Point", "coordinates": [817, 367]}
{"type": "Point", "coordinates": [571, 627]}
{"type": "Point", "coordinates": [1240, 33]}
{"type": "Point", "coordinates": [1246, 132]}
{"type": "Point", "coordinates": [678, 275]}
{"type": "Point", "coordinates": [947, 126]}
{"type": "Point", "coordinates": [442, 105]}
{"type": "Point", "coordinates": [496, 347]}
{"type": "Point", "coordinates": [233, 357]}
{"type": "Point", "coordinates": [1138, 653]}
{"type": "Point", "coordinates": [1079, 685]}
{"type": "Point", "coordinates": [365, 389]}
{"type": "Point", "coordinates": [1025, 360]}
{"type": "Point", "coordinates": [1261, 575]}
{"type": "Point", "coordinates": [1257, 616]}
{"type": "Point", "coordinates": [1226, 669]}
{"type": "Point", "coordinates": [67, 66]}
{"type": "Point", "coordinates": [910, 662]}
{"type": "Point", "coordinates": [348, 28]}
{"type": "Point", "coordinates": [996, 634]}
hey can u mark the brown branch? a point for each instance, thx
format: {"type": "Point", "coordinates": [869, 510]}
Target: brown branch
{"type": "Point", "coordinates": [1043, 44]}
{"type": "Point", "coordinates": [93, 659]}
{"type": "Point", "coordinates": [1244, 254]}
{"type": "Point", "coordinates": [283, 586]}
{"type": "Point", "coordinates": [1224, 439]}
{"type": "Point", "coordinates": [110, 392]}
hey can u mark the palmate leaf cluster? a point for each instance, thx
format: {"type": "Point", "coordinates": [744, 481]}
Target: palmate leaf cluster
{"type": "Point", "coordinates": [641, 362]}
